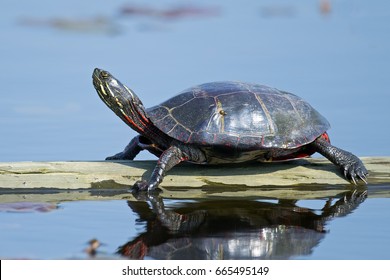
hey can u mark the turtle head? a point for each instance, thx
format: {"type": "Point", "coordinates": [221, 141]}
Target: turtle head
{"type": "Point", "coordinates": [120, 99]}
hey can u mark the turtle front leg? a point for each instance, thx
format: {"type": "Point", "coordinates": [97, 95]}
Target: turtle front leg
{"type": "Point", "coordinates": [136, 145]}
{"type": "Point", "coordinates": [168, 159]}
{"type": "Point", "coordinates": [130, 151]}
{"type": "Point", "coordinates": [352, 166]}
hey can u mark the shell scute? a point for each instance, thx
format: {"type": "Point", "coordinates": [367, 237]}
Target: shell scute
{"type": "Point", "coordinates": [240, 115]}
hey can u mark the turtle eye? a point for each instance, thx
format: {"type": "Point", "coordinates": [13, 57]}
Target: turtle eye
{"type": "Point", "coordinates": [104, 74]}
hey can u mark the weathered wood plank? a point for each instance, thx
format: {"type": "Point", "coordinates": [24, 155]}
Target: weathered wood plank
{"type": "Point", "coordinates": [185, 180]}
{"type": "Point", "coordinates": [85, 175]}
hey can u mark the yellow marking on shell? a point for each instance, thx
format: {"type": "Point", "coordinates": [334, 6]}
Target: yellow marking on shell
{"type": "Point", "coordinates": [267, 114]}
{"type": "Point", "coordinates": [222, 114]}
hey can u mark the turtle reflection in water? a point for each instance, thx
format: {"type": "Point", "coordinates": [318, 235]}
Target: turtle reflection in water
{"type": "Point", "coordinates": [232, 229]}
{"type": "Point", "coordinates": [222, 122]}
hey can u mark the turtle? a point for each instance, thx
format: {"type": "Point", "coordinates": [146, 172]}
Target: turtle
{"type": "Point", "coordinates": [222, 122]}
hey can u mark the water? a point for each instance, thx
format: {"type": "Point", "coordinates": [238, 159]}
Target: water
{"type": "Point", "coordinates": [338, 61]}
{"type": "Point", "coordinates": [349, 228]}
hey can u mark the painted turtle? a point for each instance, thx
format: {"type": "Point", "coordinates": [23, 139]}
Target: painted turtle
{"type": "Point", "coordinates": [222, 122]}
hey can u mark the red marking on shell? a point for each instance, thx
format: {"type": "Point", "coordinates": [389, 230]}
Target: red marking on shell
{"type": "Point", "coordinates": [325, 136]}
{"type": "Point", "coordinates": [184, 158]}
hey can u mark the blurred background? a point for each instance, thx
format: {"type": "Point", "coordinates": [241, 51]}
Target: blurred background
{"type": "Point", "coordinates": [333, 53]}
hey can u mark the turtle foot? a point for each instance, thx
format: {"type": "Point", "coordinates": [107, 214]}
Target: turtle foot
{"type": "Point", "coordinates": [351, 165]}
{"type": "Point", "coordinates": [355, 170]}
{"type": "Point", "coordinates": [118, 156]}
{"type": "Point", "coordinates": [144, 186]}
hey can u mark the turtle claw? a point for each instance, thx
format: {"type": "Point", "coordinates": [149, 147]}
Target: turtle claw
{"type": "Point", "coordinates": [353, 179]}
{"type": "Point", "coordinates": [363, 177]}
{"type": "Point", "coordinates": [356, 171]}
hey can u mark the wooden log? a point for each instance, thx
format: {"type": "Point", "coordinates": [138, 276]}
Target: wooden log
{"type": "Point", "coordinates": [88, 180]}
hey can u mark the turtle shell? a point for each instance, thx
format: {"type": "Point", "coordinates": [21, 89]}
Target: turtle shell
{"type": "Point", "coordinates": [239, 115]}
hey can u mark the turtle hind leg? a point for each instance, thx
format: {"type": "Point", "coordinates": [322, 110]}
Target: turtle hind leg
{"type": "Point", "coordinates": [350, 164]}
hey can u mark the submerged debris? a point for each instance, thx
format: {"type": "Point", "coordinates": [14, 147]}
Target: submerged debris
{"type": "Point", "coordinates": [93, 245]}
{"type": "Point", "coordinates": [96, 24]}
{"type": "Point", "coordinates": [27, 207]}
{"type": "Point", "coordinates": [111, 25]}
{"type": "Point", "coordinates": [169, 13]}
{"type": "Point", "coordinates": [325, 7]}
{"type": "Point", "coordinates": [278, 11]}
